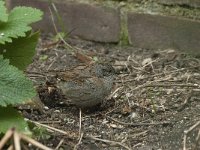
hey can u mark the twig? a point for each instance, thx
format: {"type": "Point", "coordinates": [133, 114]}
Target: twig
{"type": "Point", "coordinates": [59, 18]}
{"type": "Point", "coordinates": [12, 133]}
{"type": "Point", "coordinates": [149, 84]}
{"type": "Point", "coordinates": [33, 142]}
{"type": "Point", "coordinates": [197, 139]}
{"type": "Point", "coordinates": [51, 64]}
{"type": "Point", "coordinates": [56, 30]}
{"type": "Point", "coordinates": [166, 73]}
{"type": "Point", "coordinates": [80, 121]}
{"type": "Point", "coordinates": [59, 144]}
{"type": "Point", "coordinates": [6, 137]}
{"type": "Point", "coordinates": [55, 129]}
{"type": "Point", "coordinates": [48, 127]}
{"type": "Point", "coordinates": [168, 85]}
{"type": "Point", "coordinates": [109, 141]}
{"type": "Point", "coordinates": [182, 106]}
{"type": "Point", "coordinates": [16, 141]}
{"type": "Point", "coordinates": [138, 124]}
{"type": "Point", "coordinates": [24, 147]}
{"type": "Point", "coordinates": [138, 144]}
{"type": "Point", "coordinates": [155, 75]}
{"type": "Point", "coordinates": [141, 133]}
{"type": "Point", "coordinates": [53, 21]}
{"type": "Point", "coordinates": [112, 94]}
{"type": "Point", "coordinates": [80, 127]}
{"type": "Point", "coordinates": [49, 122]}
{"type": "Point", "coordinates": [111, 110]}
{"type": "Point", "coordinates": [10, 147]}
{"type": "Point", "coordinates": [188, 131]}
{"type": "Point", "coordinates": [35, 73]}
{"type": "Point", "coordinates": [140, 86]}
{"type": "Point", "coordinates": [79, 142]}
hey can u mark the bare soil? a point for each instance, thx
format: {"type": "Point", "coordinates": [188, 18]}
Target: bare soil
{"type": "Point", "coordinates": [154, 100]}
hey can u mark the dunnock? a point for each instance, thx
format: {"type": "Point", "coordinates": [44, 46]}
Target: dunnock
{"type": "Point", "coordinates": [87, 86]}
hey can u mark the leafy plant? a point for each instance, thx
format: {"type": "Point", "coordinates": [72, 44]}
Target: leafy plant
{"type": "Point", "coordinates": [60, 36]}
{"type": "Point", "coordinates": [9, 119]}
{"type": "Point", "coordinates": [17, 47]}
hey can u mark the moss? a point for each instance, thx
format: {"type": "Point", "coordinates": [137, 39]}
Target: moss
{"type": "Point", "coordinates": [148, 6]}
{"type": "Point", "coordinates": [124, 38]}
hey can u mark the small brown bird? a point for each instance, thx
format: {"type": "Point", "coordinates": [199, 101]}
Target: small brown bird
{"type": "Point", "coordinates": [87, 86]}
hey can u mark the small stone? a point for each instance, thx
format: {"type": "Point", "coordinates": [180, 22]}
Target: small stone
{"type": "Point", "coordinates": [57, 111]}
{"type": "Point", "coordinates": [46, 108]}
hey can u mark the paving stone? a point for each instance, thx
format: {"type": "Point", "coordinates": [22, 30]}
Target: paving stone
{"type": "Point", "coordinates": [191, 3]}
{"type": "Point", "coordinates": [86, 21]}
{"type": "Point", "coordinates": [161, 32]}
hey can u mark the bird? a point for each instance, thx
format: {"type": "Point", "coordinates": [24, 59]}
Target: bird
{"type": "Point", "coordinates": [87, 85]}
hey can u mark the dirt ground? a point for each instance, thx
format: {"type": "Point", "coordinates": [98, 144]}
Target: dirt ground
{"type": "Point", "coordinates": [155, 99]}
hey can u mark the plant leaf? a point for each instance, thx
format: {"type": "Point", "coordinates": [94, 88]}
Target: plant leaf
{"type": "Point", "coordinates": [3, 14]}
{"type": "Point", "coordinates": [21, 50]}
{"type": "Point", "coordinates": [15, 88]}
{"type": "Point", "coordinates": [10, 118]}
{"type": "Point", "coordinates": [18, 23]}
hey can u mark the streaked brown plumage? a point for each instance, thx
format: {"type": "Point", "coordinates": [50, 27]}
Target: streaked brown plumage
{"type": "Point", "coordinates": [87, 86]}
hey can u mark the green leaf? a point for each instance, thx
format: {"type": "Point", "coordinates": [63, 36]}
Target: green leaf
{"type": "Point", "coordinates": [10, 118]}
{"type": "Point", "coordinates": [20, 51]}
{"type": "Point", "coordinates": [43, 57]}
{"type": "Point", "coordinates": [40, 132]}
{"type": "Point", "coordinates": [15, 88]}
{"type": "Point", "coordinates": [58, 36]}
{"type": "Point", "coordinates": [3, 14]}
{"type": "Point", "coordinates": [17, 24]}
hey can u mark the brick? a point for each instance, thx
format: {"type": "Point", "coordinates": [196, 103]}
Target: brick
{"type": "Point", "coordinates": [86, 21]}
{"type": "Point", "coordinates": [161, 32]}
